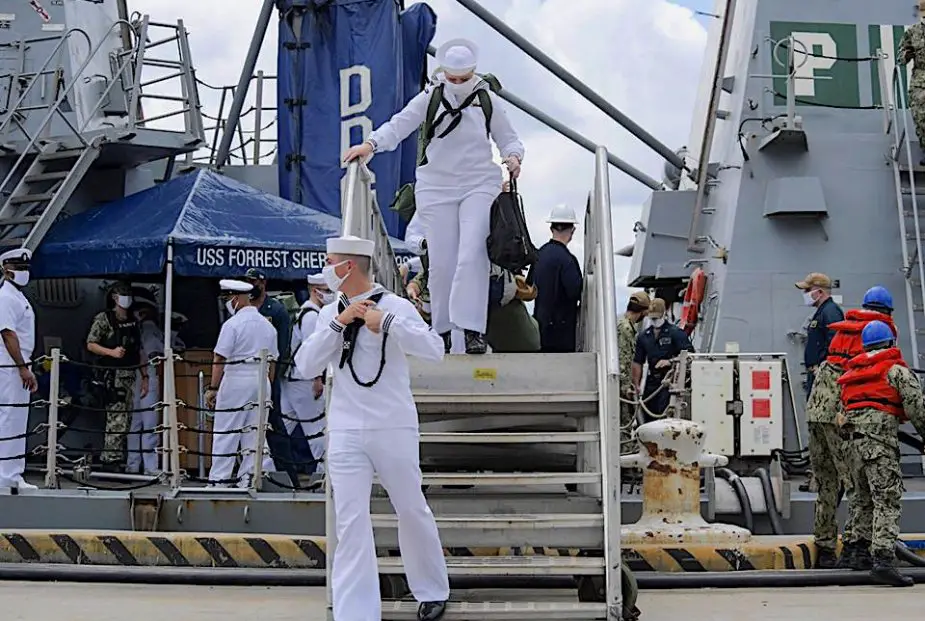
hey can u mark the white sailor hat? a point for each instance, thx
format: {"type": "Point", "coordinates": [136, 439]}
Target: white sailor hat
{"type": "Point", "coordinates": [178, 318]}
{"type": "Point", "coordinates": [235, 286]}
{"type": "Point", "coordinates": [351, 245]}
{"type": "Point", "coordinates": [315, 279]}
{"type": "Point", "coordinates": [16, 255]}
{"type": "Point", "coordinates": [458, 57]}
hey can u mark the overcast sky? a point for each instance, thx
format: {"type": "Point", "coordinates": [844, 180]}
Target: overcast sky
{"type": "Point", "coordinates": [643, 56]}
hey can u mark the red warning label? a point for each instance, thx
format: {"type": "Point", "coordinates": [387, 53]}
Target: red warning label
{"type": "Point", "coordinates": [761, 380]}
{"type": "Point", "coordinates": [761, 408]}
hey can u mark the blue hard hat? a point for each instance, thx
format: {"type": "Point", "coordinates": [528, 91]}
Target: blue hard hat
{"type": "Point", "coordinates": [876, 332]}
{"type": "Point", "coordinates": [878, 296]}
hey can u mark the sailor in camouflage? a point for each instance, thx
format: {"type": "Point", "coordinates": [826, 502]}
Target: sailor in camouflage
{"type": "Point", "coordinates": [826, 454]}
{"type": "Point", "coordinates": [115, 338]}
{"type": "Point", "coordinates": [627, 333]}
{"type": "Point", "coordinates": [826, 445]}
{"type": "Point", "coordinates": [912, 49]}
{"type": "Point", "coordinates": [879, 393]}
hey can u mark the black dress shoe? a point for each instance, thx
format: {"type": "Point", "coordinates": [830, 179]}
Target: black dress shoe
{"type": "Point", "coordinates": [431, 611]}
{"type": "Point", "coordinates": [475, 343]}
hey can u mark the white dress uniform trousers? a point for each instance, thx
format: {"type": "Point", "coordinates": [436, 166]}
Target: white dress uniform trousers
{"type": "Point", "coordinates": [241, 338]}
{"type": "Point", "coordinates": [298, 394]}
{"type": "Point", "coordinates": [375, 431]}
{"type": "Point", "coordinates": [142, 441]}
{"type": "Point", "coordinates": [16, 314]}
{"type": "Point", "coordinates": [453, 196]}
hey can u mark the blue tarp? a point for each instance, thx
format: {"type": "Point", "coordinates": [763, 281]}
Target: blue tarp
{"type": "Point", "coordinates": [375, 56]}
{"type": "Point", "coordinates": [219, 228]}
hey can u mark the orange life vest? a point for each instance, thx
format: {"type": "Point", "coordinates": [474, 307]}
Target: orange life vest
{"type": "Point", "coordinates": [846, 344]}
{"type": "Point", "coordinates": [864, 384]}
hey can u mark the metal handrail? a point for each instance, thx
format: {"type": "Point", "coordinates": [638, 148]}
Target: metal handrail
{"type": "Point", "coordinates": [22, 97]}
{"type": "Point", "coordinates": [55, 108]}
{"type": "Point", "coordinates": [896, 125]}
{"type": "Point", "coordinates": [258, 140]}
{"type": "Point", "coordinates": [361, 217]}
{"type": "Point", "coordinates": [608, 363]}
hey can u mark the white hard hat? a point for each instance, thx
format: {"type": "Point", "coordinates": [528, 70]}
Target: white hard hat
{"type": "Point", "coordinates": [562, 214]}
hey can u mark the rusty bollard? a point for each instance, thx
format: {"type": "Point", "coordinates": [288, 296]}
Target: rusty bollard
{"type": "Point", "coordinates": [670, 455]}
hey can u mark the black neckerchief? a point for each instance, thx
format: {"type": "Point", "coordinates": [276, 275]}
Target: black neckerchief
{"type": "Point", "coordinates": [350, 336]}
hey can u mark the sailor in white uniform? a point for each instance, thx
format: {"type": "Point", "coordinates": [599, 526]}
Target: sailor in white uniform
{"type": "Point", "coordinates": [143, 439]}
{"type": "Point", "coordinates": [303, 398]}
{"type": "Point", "coordinates": [455, 188]}
{"type": "Point", "coordinates": [17, 329]}
{"type": "Point", "coordinates": [373, 430]}
{"type": "Point", "coordinates": [242, 337]}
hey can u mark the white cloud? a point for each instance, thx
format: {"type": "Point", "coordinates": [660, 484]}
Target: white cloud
{"type": "Point", "coordinates": [643, 56]}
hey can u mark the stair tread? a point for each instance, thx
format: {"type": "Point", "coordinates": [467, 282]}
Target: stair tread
{"type": "Point", "coordinates": [511, 478]}
{"type": "Point", "coordinates": [502, 437]}
{"type": "Point", "coordinates": [508, 565]}
{"type": "Point", "coordinates": [506, 396]}
{"type": "Point", "coordinates": [545, 520]}
{"type": "Point", "coordinates": [511, 611]}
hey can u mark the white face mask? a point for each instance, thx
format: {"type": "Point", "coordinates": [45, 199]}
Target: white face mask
{"type": "Point", "coordinates": [124, 301]}
{"type": "Point", "coordinates": [20, 277]}
{"type": "Point", "coordinates": [331, 279]}
{"type": "Point", "coordinates": [462, 90]}
{"type": "Point", "coordinates": [327, 297]}
{"type": "Point", "coordinates": [229, 306]}
{"type": "Point", "coordinates": [808, 298]}
{"type": "Point", "coordinates": [658, 323]}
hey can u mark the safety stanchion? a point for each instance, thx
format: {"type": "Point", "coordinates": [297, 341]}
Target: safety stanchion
{"type": "Point", "coordinates": [173, 425]}
{"type": "Point", "coordinates": [263, 415]}
{"type": "Point", "coordinates": [51, 458]}
{"type": "Point", "coordinates": [201, 421]}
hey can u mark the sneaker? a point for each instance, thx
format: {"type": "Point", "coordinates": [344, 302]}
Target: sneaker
{"type": "Point", "coordinates": [475, 343]}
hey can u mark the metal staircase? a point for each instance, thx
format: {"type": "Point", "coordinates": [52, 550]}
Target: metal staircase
{"type": "Point", "coordinates": [533, 523]}
{"type": "Point", "coordinates": [48, 170]}
{"type": "Point", "coordinates": [909, 182]}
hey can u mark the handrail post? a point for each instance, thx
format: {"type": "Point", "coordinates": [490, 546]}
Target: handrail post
{"type": "Point", "coordinates": [609, 378]}
{"type": "Point", "coordinates": [201, 423]}
{"type": "Point", "coordinates": [54, 389]}
{"type": "Point", "coordinates": [258, 117]}
{"type": "Point", "coordinates": [172, 419]}
{"type": "Point", "coordinates": [263, 379]}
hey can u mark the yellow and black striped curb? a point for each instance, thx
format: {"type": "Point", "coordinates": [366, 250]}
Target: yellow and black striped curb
{"type": "Point", "coordinates": [149, 549]}
{"type": "Point", "coordinates": [161, 549]}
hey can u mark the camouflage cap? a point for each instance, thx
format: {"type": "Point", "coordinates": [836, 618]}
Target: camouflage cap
{"type": "Point", "coordinates": [814, 280]}
{"type": "Point", "coordinates": [640, 298]}
{"type": "Point", "coordinates": [657, 307]}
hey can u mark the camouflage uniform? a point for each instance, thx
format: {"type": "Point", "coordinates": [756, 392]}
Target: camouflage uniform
{"type": "Point", "coordinates": [912, 48]}
{"type": "Point", "coordinates": [874, 458]}
{"type": "Point", "coordinates": [827, 455]}
{"type": "Point", "coordinates": [627, 332]}
{"type": "Point", "coordinates": [120, 391]}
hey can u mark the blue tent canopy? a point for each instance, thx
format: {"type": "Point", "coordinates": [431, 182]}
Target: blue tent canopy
{"type": "Point", "coordinates": [219, 227]}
